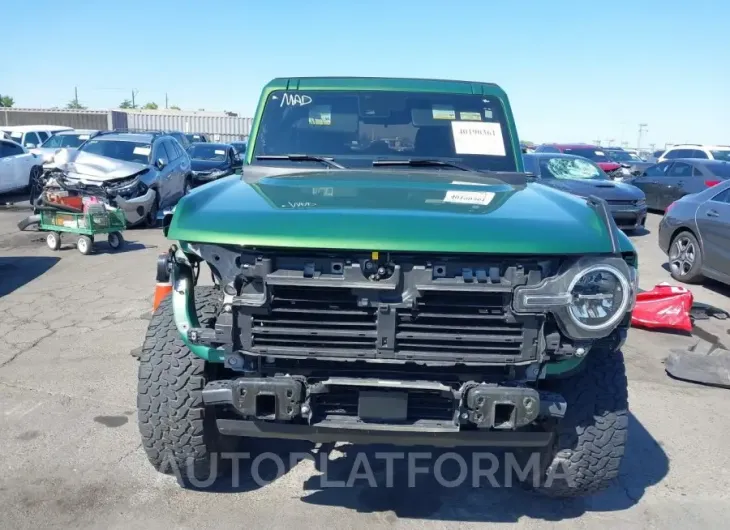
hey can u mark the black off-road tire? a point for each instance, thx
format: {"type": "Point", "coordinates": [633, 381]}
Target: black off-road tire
{"type": "Point", "coordinates": [591, 438]}
{"type": "Point", "coordinates": [178, 433]}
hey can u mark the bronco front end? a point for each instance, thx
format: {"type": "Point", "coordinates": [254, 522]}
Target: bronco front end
{"type": "Point", "coordinates": [382, 271]}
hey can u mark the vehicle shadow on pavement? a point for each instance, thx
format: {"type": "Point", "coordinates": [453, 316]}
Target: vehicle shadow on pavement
{"type": "Point", "coordinates": [129, 246]}
{"type": "Point", "coordinates": [644, 465]}
{"type": "Point", "coordinates": [102, 247]}
{"type": "Point", "coordinates": [437, 483]}
{"type": "Point", "coordinates": [15, 272]}
{"type": "Point", "coordinates": [638, 232]}
{"type": "Point", "coordinates": [719, 288]}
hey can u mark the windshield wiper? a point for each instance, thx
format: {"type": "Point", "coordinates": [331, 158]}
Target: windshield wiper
{"type": "Point", "coordinates": [422, 162]}
{"type": "Point", "coordinates": [327, 161]}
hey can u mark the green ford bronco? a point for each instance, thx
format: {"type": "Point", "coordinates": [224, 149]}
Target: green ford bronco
{"type": "Point", "coordinates": [384, 271]}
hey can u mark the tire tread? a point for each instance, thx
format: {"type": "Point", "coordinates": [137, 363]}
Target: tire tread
{"type": "Point", "coordinates": [171, 414]}
{"type": "Point", "coordinates": [592, 436]}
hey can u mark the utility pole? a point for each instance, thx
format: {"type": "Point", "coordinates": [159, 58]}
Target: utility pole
{"type": "Point", "coordinates": [134, 93]}
{"type": "Point", "coordinates": [642, 129]}
{"type": "Point", "coordinates": [76, 96]}
{"type": "Point", "coordinates": [165, 99]}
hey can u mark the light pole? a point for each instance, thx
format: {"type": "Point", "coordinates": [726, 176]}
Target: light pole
{"type": "Point", "coordinates": [643, 127]}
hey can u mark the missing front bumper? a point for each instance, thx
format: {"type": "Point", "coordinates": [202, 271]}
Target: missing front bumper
{"type": "Point", "coordinates": [137, 208]}
{"type": "Point", "coordinates": [393, 411]}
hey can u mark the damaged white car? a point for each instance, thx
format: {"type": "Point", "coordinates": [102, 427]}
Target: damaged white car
{"type": "Point", "coordinates": [144, 174]}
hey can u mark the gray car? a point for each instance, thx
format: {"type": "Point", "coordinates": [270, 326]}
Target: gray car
{"type": "Point", "coordinates": [671, 180]}
{"type": "Point", "coordinates": [142, 173]}
{"type": "Point", "coordinates": [695, 234]}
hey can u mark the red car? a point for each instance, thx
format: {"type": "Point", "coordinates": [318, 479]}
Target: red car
{"type": "Point", "coordinates": [591, 152]}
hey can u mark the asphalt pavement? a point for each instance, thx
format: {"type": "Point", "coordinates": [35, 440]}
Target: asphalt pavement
{"type": "Point", "coordinates": [71, 454]}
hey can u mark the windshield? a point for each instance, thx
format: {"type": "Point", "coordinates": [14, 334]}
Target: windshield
{"type": "Point", "coordinates": [65, 140]}
{"type": "Point", "coordinates": [570, 168]}
{"type": "Point", "coordinates": [587, 152]}
{"type": "Point", "coordinates": [621, 156]}
{"type": "Point", "coordinates": [359, 127]}
{"type": "Point", "coordinates": [721, 155]}
{"type": "Point", "coordinates": [207, 152]}
{"type": "Point", "coordinates": [120, 150]}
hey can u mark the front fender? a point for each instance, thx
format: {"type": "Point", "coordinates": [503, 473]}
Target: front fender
{"type": "Point", "coordinates": [183, 306]}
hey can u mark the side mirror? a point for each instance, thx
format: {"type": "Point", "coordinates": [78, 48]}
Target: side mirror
{"type": "Point", "coordinates": [160, 164]}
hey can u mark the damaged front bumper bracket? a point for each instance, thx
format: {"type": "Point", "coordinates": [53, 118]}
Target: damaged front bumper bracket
{"type": "Point", "coordinates": [182, 278]}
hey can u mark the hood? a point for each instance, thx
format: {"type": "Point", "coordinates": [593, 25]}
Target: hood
{"type": "Point", "coordinates": [608, 166]}
{"type": "Point", "coordinates": [384, 210]}
{"type": "Point", "coordinates": [86, 166]}
{"type": "Point", "coordinates": [605, 189]}
{"type": "Point", "coordinates": [47, 153]}
{"type": "Point", "coordinates": [207, 165]}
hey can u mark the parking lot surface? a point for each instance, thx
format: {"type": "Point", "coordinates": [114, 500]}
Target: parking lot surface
{"type": "Point", "coordinates": [72, 458]}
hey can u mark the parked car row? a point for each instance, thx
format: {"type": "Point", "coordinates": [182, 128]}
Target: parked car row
{"type": "Point", "coordinates": [690, 184]}
{"type": "Point", "coordinates": [31, 136]}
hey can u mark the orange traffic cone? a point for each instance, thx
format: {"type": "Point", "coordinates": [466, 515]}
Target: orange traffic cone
{"type": "Point", "coordinates": [162, 289]}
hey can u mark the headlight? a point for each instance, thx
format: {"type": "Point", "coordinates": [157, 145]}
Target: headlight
{"type": "Point", "coordinates": [641, 202]}
{"type": "Point", "coordinates": [600, 296]}
{"type": "Point", "coordinates": [218, 173]}
{"type": "Point", "coordinates": [127, 187]}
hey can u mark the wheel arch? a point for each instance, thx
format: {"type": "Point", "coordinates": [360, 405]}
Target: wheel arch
{"type": "Point", "coordinates": [684, 228]}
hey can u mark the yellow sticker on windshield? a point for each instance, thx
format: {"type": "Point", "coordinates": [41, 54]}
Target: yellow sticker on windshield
{"type": "Point", "coordinates": [470, 116]}
{"type": "Point", "coordinates": [443, 113]}
{"type": "Point", "coordinates": [320, 115]}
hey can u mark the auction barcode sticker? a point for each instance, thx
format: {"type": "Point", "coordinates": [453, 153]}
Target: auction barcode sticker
{"type": "Point", "coordinates": [469, 197]}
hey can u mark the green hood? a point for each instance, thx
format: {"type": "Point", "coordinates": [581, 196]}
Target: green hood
{"type": "Point", "coordinates": [384, 210]}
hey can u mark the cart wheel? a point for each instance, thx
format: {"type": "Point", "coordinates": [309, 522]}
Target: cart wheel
{"type": "Point", "coordinates": [85, 244]}
{"type": "Point", "coordinates": [53, 240]}
{"type": "Point", "coordinates": [115, 240]}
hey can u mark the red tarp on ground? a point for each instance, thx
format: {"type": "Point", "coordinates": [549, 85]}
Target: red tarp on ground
{"type": "Point", "coordinates": [665, 306]}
